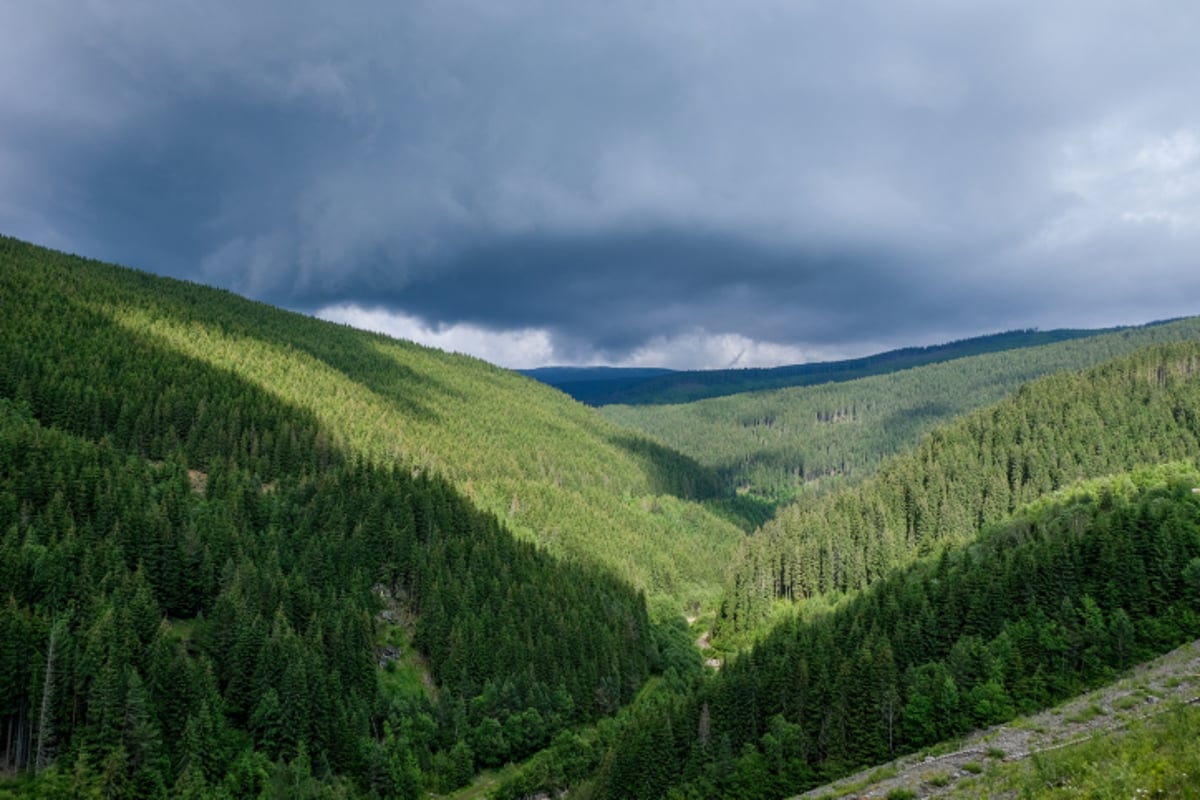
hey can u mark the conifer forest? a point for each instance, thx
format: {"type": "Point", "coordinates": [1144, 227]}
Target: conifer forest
{"type": "Point", "coordinates": [245, 553]}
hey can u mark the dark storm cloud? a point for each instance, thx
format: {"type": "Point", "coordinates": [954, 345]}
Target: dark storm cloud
{"type": "Point", "coordinates": [833, 177]}
{"type": "Point", "coordinates": [659, 281]}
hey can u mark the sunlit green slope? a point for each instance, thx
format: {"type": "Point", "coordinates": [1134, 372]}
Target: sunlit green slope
{"type": "Point", "coordinates": [770, 443]}
{"type": "Point", "coordinates": [555, 471]}
{"type": "Point", "coordinates": [205, 592]}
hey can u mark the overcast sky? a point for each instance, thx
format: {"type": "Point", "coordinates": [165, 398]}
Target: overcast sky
{"type": "Point", "coordinates": [682, 184]}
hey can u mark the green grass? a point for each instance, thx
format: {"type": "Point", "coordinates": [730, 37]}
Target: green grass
{"type": "Point", "coordinates": [1153, 757]}
{"type": "Point", "coordinates": [854, 788]}
{"type": "Point", "coordinates": [944, 748]}
{"type": "Point", "coordinates": [1086, 714]}
{"type": "Point", "coordinates": [407, 676]}
{"type": "Point", "coordinates": [484, 784]}
{"type": "Point", "coordinates": [882, 774]}
{"type": "Point", "coordinates": [183, 629]}
{"type": "Point", "coordinates": [1127, 702]}
{"type": "Point", "coordinates": [938, 779]}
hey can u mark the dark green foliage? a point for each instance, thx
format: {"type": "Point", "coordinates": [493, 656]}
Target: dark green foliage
{"type": "Point", "coordinates": [1038, 608]}
{"type": "Point", "coordinates": [1136, 410]}
{"type": "Point", "coordinates": [191, 570]}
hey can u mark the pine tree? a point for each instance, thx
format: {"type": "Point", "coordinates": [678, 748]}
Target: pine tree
{"type": "Point", "coordinates": [46, 736]}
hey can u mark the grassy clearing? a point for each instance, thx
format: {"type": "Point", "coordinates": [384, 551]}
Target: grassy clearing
{"type": "Point", "coordinates": [1087, 714]}
{"type": "Point", "coordinates": [1153, 757]}
{"type": "Point", "coordinates": [484, 784]}
{"type": "Point", "coordinates": [408, 675]}
{"type": "Point", "coordinates": [937, 779]}
{"type": "Point", "coordinates": [1127, 702]}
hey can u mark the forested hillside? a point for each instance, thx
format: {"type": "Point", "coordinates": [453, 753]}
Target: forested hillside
{"type": "Point", "coordinates": [231, 565]}
{"type": "Point", "coordinates": [162, 639]}
{"type": "Point", "coordinates": [553, 470]}
{"type": "Point", "coordinates": [772, 443]}
{"type": "Point", "coordinates": [248, 553]}
{"type": "Point", "coordinates": [1142, 409]}
{"type": "Point", "coordinates": [600, 386]}
{"type": "Point", "coordinates": [1043, 604]}
{"type": "Point", "coordinates": [908, 625]}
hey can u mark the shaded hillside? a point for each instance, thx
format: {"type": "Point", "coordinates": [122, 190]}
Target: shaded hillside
{"type": "Point", "coordinates": [1140, 409]}
{"type": "Point", "coordinates": [596, 386]}
{"type": "Point", "coordinates": [191, 571]}
{"type": "Point", "coordinates": [772, 443]}
{"type": "Point", "coordinates": [553, 470]}
{"type": "Point", "coordinates": [599, 386]}
{"type": "Point", "coordinates": [1045, 604]}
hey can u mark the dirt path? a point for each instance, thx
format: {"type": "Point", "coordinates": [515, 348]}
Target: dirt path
{"type": "Point", "coordinates": [1142, 693]}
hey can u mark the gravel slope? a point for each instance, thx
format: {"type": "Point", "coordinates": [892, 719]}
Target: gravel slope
{"type": "Point", "coordinates": [1146, 690]}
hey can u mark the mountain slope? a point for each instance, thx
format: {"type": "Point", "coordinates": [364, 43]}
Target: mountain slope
{"type": "Point", "coordinates": [197, 577]}
{"type": "Point", "coordinates": [1141, 409]}
{"type": "Point", "coordinates": [1111, 742]}
{"type": "Point", "coordinates": [1039, 607]}
{"type": "Point", "coordinates": [772, 443]}
{"type": "Point", "coordinates": [164, 632]}
{"type": "Point", "coordinates": [599, 386]}
{"type": "Point", "coordinates": [555, 471]}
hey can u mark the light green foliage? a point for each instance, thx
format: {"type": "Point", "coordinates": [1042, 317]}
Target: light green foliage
{"type": "Point", "coordinates": [554, 470]}
{"type": "Point", "coordinates": [938, 779]}
{"type": "Point", "coordinates": [1087, 714]}
{"type": "Point", "coordinates": [405, 677]}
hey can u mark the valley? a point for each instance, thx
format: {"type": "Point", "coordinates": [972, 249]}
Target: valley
{"type": "Point", "coordinates": [244, 552]}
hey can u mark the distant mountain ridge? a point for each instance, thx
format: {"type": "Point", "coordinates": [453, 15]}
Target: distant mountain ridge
{"type": "Point", "coordinates": [599, 386]}
{"type": "Point", "coordinates": [772, 443]}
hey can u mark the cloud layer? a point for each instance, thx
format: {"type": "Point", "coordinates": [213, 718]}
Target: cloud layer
{"type": "Point", "coordinates": [618, 182]}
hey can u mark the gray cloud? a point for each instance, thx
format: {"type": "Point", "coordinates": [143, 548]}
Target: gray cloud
{"type": "Point", "coordinates": [825, 177]}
